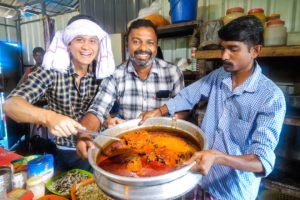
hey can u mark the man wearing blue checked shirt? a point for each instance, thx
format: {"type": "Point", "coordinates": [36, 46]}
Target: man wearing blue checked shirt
{"type": "Point", "coordinates": [244, 116]}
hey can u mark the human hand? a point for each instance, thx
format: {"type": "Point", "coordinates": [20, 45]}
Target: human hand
{"type": "Point", "coordinates": [60, 125]}
{"type": "Point", "coordinates": [181, 115]}
{"type": "Point", "coordinates": [84, 142]}
{"type": "Point", "coordinates": [149, 114]}
{"type": "Point", "coordinates": [113, 121]}
{"type": "Point", "coordinates": [204, 160]}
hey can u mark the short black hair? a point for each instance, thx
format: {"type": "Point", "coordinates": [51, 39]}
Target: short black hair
{"type": "Point", "coordinates": [81, 16]}
{"type": "Point", "coordinates": [38, 49]}
{"type": "Point", "coordinates": [247, 29]}
{"type": "Point", "coordinates": [141, 23]}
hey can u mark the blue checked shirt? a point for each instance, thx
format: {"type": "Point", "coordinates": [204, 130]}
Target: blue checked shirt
{"type": "Point", "coordinates": [62, 93]}
{"type": "Point", "coordinates": [134, 95]}
{"type": "Point", "coordinates": [247, 120]}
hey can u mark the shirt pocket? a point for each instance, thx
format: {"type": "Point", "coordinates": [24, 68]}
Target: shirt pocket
{"type": "Point", "coordinates": [239, 131]}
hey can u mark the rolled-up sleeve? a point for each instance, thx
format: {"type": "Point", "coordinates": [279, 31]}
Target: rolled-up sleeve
{"type": "Point", "coordinates": [192, 94]}
{"type": "Point", "coordinates": [267, 131]}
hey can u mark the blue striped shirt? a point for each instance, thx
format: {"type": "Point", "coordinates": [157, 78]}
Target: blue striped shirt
{"type": "Point", "coordinates": [247, 120]}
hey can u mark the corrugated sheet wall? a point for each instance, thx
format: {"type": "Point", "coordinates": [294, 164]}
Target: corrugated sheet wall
{"type": "Point", "coordinates": [8, 31]}
{"type": "Point", "coordinates": [115, 14]}
{"type": "Point", "coordinates": [114, 18]}
{"type": "Point", "coordinates": [62, 20]}
{"type": "Point", "coordinates": [214, 9]}
{"type": "Point", "coordinates": [288, 9]}
{"type": "Point", "coordinates": [32, 33]}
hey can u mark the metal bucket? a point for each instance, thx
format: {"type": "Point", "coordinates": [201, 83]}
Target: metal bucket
{"type": "Point", "coordinates": [167, 186]}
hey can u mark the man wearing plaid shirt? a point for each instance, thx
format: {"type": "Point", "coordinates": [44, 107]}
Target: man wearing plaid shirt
{"type": "Point", "coordinates": [140, 84]}
{"type": "Point", "coordinates": [69, 80]}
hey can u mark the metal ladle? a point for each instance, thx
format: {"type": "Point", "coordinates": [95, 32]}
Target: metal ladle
{"type": "Point", "coordinates": [95, 134]}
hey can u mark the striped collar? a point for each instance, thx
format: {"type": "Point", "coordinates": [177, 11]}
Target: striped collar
{"type": "Point", "coordinates": [249, 85]}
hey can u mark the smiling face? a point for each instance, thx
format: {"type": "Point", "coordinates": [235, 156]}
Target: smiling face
{"type": "Point", "coordinates": [142, 46]}
{"type": "Point", "coordinates": [84, 50]}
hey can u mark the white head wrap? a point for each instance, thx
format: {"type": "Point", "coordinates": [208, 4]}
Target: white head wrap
{"type": "Point", "coordinates": [57, 56]}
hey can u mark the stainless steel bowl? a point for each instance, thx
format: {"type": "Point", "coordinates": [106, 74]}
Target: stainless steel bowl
{"type": "Point", "coordinates": [170, 185]}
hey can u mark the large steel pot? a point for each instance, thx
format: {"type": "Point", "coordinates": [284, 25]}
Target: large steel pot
{"type": "Point", "coordinates": [167, 186]}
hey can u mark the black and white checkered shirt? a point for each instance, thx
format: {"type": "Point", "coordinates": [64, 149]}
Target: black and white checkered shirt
{"type": "Point", "coordinates": [134, 95]}
{"type": "Point", "coordinates": [62, 94]}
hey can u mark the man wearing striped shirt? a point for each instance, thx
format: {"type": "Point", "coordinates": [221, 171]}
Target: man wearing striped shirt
{"type": "Point", "coordinates": [140, 84]}
{"type": "Point", "coordinates": [244, 115]}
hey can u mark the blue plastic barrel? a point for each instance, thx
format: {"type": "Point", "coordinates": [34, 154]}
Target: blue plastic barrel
{"type": "Point", "coordinates": [183, 10]}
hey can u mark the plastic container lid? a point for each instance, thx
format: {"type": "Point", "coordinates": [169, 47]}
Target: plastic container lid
{"type": "Point", "coordinates": [275, 21]}
{"type": "Point", "coordinates": [40, 165]}
{"type": "Point", "coordinates": [274, 16]}
{"type": "Point", "coordinates": [256, 10]}
{"type": "Point", "coordinates": [234, 9]}
{"type": "Point", "coordinates": [34, 180]}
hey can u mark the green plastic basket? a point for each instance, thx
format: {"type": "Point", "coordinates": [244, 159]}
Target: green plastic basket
{"type": "Point", "coordinates": [50, 182]}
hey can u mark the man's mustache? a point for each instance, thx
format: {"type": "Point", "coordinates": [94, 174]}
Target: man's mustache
{"type": "Point", "coordinates": [142, 52]}
{"type": "Point", "coordinates": [227, 63]}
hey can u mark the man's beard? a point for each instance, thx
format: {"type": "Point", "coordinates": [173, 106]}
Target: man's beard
{"type": "Point", "coordinates": [141, 63]}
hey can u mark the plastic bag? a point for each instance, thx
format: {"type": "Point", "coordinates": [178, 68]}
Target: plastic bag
{"type": "Point", "coordinates": [152, 10]}
{"type": "Point", "coordinates": [205, 36]}
{"type": "Point", "coordinates": [152, 13]}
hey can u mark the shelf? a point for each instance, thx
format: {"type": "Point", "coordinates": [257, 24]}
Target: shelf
{"type": "Point", "coordinates": [190, 77]}
{"type": "Point", "coordinates": [284, 188]}
{"type": "Point", "coordinates": [279, 51]}
{"type": "Point", "coordinates": [177, 30]}
{"type": "Point", "coordinates": [190, 73]}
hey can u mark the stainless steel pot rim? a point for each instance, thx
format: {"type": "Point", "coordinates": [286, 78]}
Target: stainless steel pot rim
{"type": "Point", "coordinates": [148, 123]}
